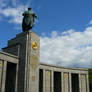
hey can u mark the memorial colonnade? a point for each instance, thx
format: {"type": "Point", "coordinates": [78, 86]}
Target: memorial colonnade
{"type": "Point", "coordinates": [61, 79]}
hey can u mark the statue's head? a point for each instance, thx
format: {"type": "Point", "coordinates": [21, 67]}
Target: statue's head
{"type": "Point", "coordinates": [29, 9]}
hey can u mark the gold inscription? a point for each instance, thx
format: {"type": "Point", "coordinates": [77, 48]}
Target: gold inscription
{"type": "Point", "coordinates": [0, 64]}
{"type": "Point", "coordinates": [66, 75]}
{"type": "Point", "coordinates": [33, 78]}
{"type": "Point", "coordinates": [34, 61]}
{"type": "Point", "coordinates": [48, 73]}
{"type": "Point", "coordinates": [83, 76]}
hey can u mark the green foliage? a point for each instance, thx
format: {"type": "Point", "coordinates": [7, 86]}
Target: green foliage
{"type": "Point", "coordinates": [90, 79]}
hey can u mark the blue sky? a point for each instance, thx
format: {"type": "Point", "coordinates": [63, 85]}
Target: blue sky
{"type": "Point", "coordinates": [65, 25]}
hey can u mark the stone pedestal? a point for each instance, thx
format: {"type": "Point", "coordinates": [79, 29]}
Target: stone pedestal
{"type": "Point", "coordinates": [26, 45]}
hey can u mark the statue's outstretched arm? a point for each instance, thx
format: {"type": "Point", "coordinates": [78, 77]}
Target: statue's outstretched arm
{"type": "Point", "coordinates": [35, 16]}
{"type": "Point", "coordinates": [22, 14]}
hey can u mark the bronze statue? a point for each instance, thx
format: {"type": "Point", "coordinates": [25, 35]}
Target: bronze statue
{"type": "Point", "coordinates": [28, 20]}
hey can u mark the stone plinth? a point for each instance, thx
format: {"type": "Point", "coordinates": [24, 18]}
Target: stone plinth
{"type": "Point", "coordinates": [26, 45]}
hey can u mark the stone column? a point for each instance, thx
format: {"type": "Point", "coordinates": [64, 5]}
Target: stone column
{"type": "Point", "coordinates": [66, 82]}
{"type": "Point", "coordinates": [80, 90]}
{"type": "Point", "coordinates": [52, 81]}
{"type": "Point", "coordinates": [83, 83]}
{"type": "Point", "coordinates": [62, 81]}
{"type": "Point", "coordinates": [70, 83]}
{"type": "Point", "coordinates": [43, 80]}
{"type": "Point", "coordinates": [47, 81]}
{"type": "Point", "coordinates": [87, 83]}
{"type": "Point", "coordinates": [26, 45]}
{"type": "Point", "coordinates": [16, 77]}
{"type": "Point", "coordinates": [33, 64]}
{"type": "Point", "coordinates": [4, 76]}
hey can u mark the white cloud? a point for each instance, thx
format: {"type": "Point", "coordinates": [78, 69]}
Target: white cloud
{"type": "Point", "coordinates": [90, 22]}
{"type": "Point", "coordinates": [68, 32]}
{"type": "Point", "coordinates": [13, 9]}
{"type": "Point", "coordinates": [54, 34]}
{"type": "Point", "coordinates": [14, 2]}
{"type": "Point", "coordinates": [3, 3]}
{"type": "Point", "coordinates": [73, 49]}
{"type": "Point", "coordinates": [13, 12]}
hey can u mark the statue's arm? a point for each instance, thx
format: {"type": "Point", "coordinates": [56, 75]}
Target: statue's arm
{"type": "Point", "coordinates": [35, 16]}
{"type": "Point", "coordinates": [22, 14]}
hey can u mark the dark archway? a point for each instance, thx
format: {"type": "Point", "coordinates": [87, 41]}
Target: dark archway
{"type": "Point", "coordinates": [40, 80]}
{"type": "Point", "coordinates": [75, 82]}
{"type": "Point", "coordinates": [10, 77]}
{"type": "Point", "coordinates": [57, 81]}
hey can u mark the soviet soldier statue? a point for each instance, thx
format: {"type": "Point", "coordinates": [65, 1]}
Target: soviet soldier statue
{"type": "Point", "coordinates": [28, 20]}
